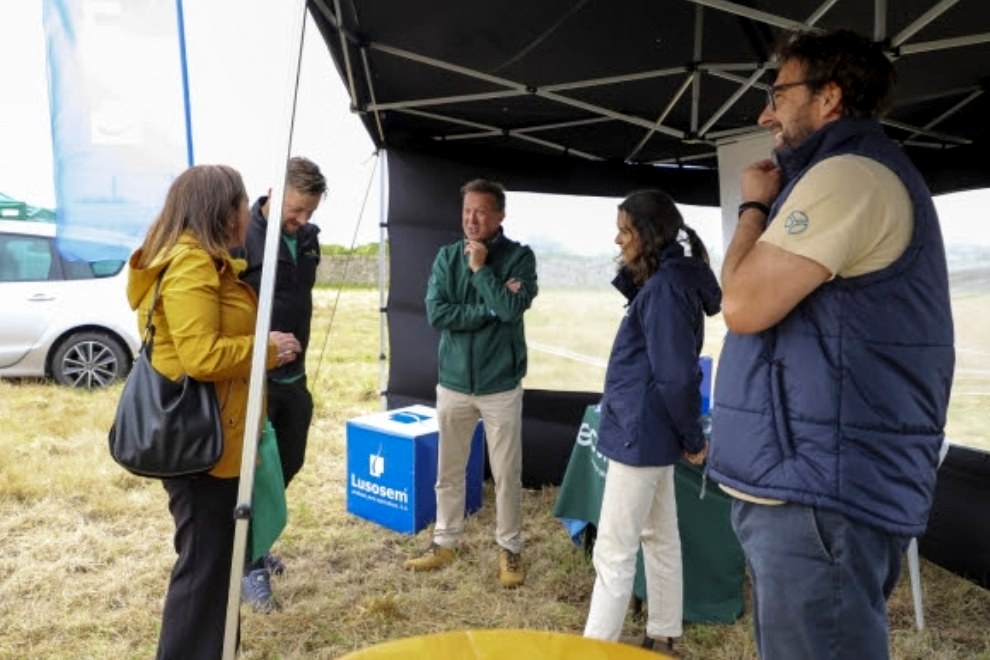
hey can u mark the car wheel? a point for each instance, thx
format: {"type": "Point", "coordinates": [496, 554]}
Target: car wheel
{"type": "Point", "coordinates": [90, 360]}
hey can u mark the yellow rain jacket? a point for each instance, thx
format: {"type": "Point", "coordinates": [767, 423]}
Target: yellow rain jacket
{"type": "Point", "coordinates": [204, 327]}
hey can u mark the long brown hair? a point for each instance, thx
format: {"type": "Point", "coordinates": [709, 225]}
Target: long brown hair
{"type": "Point", "coordinates": [202, 200]}
{"type": "Point", "coordinates": [657, 222]}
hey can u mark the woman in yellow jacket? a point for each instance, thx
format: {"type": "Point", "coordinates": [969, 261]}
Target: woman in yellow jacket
{"type": "Point", "coordinates": [204, 322]}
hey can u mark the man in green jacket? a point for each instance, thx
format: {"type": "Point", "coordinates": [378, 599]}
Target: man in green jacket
{"type": "Point", "coordinates": [479, 289]}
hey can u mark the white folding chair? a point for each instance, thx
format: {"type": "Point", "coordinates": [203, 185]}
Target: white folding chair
{"type": "Point", "coordinates": [914, 566]}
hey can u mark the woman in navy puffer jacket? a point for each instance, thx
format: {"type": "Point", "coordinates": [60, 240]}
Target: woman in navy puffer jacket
{"type": "Point", "coordinates": [649, 413]}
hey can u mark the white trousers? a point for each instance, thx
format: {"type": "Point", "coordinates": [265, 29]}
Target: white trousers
{"type": "Point", "coordinates": [457, 417]}
{"type": "Point", "coordinates": [638, 507]}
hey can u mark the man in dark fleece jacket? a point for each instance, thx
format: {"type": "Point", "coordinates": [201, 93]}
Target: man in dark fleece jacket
{"type": "Point", "coordinates": [290, 404]}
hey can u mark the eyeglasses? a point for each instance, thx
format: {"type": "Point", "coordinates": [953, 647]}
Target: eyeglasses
{"type": "Point", "coordinates": [773, 90]}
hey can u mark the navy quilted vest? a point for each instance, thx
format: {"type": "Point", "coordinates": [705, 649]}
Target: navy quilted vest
{"type": "Point", "coordinates": [842, 404]}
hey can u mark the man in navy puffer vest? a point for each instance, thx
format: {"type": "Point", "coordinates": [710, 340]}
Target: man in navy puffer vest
{"type": "Point", "coordinates": [833, 384]}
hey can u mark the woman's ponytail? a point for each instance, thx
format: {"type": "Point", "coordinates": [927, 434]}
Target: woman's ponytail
{"type": "Point", "coordinates": [698, 249]}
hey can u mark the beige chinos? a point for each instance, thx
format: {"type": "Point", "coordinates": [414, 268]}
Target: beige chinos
{"type": "Point", "coordinates": [457, 416]}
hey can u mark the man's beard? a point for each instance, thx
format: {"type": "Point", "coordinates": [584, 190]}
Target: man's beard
{"type": "Point", "coordinates": [798, 132]}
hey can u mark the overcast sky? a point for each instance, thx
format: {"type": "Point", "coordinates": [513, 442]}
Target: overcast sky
{"type": "Point", "coordinates": [236, 52]}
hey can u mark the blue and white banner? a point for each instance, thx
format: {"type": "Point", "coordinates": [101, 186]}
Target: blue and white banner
{"type": "Point", "coordinates": [120, 118]}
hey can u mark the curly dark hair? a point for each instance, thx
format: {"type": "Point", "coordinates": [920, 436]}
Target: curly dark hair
{"type": "Point", "coordinates": [852, 61]}
{"type": "Point", "coordinates": [657, 222]}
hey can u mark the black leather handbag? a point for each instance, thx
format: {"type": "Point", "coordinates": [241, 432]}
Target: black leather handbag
{"type": "Point", "coordinates": [165, 428]}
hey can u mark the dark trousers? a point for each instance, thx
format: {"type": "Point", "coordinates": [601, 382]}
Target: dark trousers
{"type": "Point", "coordinates": [290, 409]}
{"type": "Point", "coordinates": [196, 603]}
{"type": "Point", "coordinates": [820, 581]}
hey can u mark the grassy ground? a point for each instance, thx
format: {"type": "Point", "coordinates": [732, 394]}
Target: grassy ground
{"type": "Point", "coordinates": [85, 549]}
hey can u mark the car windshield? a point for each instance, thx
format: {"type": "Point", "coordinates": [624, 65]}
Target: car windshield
{"type": "Point", "coordinates": [26, 258]}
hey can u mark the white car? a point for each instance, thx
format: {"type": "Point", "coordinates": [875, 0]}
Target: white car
{"type": "Point", "coordinates": [61, 319]}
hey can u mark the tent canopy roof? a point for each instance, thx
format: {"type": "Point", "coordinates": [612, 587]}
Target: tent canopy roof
{"type": "Point", "coordinates": [641, 81]}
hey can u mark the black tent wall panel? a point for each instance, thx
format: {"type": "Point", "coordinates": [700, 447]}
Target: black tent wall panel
{"type": "Point", "coordinates": [424, 213]}
{"type": "Point", "coordinates": [958, 536]}
{"type": "Point", "coordinates": [550, 423]}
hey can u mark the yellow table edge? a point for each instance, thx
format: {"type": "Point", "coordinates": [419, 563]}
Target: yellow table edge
{"type": "Point", "coordinates": [500, 644]}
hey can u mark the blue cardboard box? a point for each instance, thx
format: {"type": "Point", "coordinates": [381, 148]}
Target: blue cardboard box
{"type": "Point", "coordinates": [392, 468]}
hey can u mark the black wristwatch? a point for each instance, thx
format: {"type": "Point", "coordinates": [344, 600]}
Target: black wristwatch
{"type": "Point", "coordinates": [754, 205]}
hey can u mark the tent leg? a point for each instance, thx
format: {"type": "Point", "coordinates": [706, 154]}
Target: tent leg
{"type": "Point", "coordinates": [914, 570]}
{"type": "Point", "coordinates": [382, 279]}
{"type": "Point", "coordinates": [914, 564]}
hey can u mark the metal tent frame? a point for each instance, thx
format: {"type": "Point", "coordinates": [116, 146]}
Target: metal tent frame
{"type": "Point", "coordinates": [711, 93]}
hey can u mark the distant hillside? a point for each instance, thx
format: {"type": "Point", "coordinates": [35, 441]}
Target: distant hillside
{"type": "Point", "coordinates": [969, 266]}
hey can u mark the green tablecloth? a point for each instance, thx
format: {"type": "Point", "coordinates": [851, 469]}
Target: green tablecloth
{"type": "Point", "coordinates": [713, 561]}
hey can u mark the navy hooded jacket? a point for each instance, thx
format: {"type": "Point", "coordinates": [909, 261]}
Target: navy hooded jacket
{"type": "Point", "coordinates": [652, 401]}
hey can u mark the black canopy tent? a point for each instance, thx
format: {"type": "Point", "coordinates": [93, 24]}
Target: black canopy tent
{"type": "Point", "coordinates": [599, 97]}
{"type": "Point", "coordinates": [642, 81]}
{"type": "Point", "coordinates": [596, 97]}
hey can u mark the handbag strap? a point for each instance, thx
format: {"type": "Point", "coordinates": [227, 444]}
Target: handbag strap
{"type": "Point", "coordinates": [148, 340]}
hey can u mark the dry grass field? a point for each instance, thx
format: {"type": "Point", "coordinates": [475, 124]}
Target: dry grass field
{"type": "Point", "coordinates": [85, 549]}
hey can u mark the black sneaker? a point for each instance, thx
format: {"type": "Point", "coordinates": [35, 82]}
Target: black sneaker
{"type": "Point", "coordinates": [663, 644]}
{"type": "Point", "coordinates": [274, 564]}
{"type": "Point", "coordinates": [256, 591]}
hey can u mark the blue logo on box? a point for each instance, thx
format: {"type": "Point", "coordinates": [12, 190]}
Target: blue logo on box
{"type": "Point", "coordinates": [376, 464]}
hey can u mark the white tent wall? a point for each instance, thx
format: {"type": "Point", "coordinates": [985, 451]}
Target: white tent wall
{"type": "Point", "coordinates": [733, 158]}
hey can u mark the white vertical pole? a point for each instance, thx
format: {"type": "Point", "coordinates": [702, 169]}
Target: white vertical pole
{"type": "Point", "coordinates": [286, 90]}
{"type": "Point", "coordinates": [914, 571]}
{"type": "Point", "coordinates": [914, 563]}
